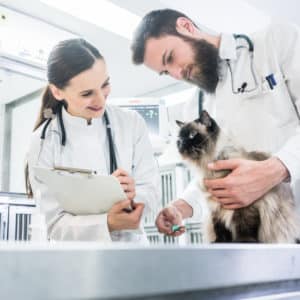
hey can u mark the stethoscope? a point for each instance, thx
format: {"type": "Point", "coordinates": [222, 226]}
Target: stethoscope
{"type": "Point", "coordinates": [112, 154]}
{"type": "Point", "coordinates": [243, 87]}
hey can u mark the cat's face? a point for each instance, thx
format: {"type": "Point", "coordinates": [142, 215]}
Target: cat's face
{"type": "Point", "coordinates": [197, 138]}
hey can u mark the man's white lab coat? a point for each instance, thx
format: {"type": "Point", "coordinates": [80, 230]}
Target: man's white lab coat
{"type": "Point", "coordinates": [264, 119]}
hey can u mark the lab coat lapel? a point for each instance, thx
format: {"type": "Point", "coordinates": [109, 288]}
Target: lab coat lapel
{"type": "Point", "coordinates": [121, 135]}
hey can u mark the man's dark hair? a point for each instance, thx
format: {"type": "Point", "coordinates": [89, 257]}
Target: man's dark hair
{"type": "Point", "coordinates": [154, 25]}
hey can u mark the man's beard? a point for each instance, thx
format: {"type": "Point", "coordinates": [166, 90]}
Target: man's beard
{"type": "Point", "coordinates": [206, 66]}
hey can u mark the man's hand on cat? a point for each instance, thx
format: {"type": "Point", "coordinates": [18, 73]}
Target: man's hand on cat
{"type": "Point", "coordinates": [248, 181]}
{"type": "Point", "coordinates": [168, 217]}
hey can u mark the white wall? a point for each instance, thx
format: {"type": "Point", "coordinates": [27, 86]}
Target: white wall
{"type": "Point", "coordinates": [1, 139]}
{"type": "Point", "coordinates": [23, 119]}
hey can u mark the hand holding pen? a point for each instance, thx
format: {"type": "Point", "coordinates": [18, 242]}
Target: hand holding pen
{"type": "Point", "coordinates": [169, 221]}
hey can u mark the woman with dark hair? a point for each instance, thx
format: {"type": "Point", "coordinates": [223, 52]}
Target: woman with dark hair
{"type": "Point", "coordinates": [77, 129]}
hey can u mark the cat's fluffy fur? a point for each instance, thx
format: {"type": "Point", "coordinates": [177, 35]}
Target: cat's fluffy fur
{"type": "Point", "coordinates": [270, 219]}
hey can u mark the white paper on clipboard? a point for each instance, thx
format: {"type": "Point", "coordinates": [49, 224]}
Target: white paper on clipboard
{"type": "Point", "coordinates": [82, 194]}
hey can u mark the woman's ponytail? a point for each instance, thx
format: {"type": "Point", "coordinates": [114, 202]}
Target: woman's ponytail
{"type": "Point", "coordinates": [48, 103]}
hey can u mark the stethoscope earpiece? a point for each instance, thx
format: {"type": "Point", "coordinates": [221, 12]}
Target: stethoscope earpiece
{"type": "Point", "coordinates": [247, 39]}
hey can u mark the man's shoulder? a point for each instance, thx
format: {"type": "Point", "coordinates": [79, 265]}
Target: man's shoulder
{"type": "Point", "coordinates": [276, 31]}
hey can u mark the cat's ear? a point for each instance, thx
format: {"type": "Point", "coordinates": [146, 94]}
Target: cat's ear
{"type": "Point", "coordinates": [205, 118]}
{"type": "Point", "coordinates": [179, 123]}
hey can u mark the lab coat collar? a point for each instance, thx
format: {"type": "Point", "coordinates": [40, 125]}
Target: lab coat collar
{"type": "Point", "coordinates": [227, 49]}
{"type": "Point", "coordinates": [78, 122]}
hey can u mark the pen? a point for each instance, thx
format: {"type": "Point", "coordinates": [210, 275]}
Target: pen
{"type": "Point", "coordinates": [176, 228]}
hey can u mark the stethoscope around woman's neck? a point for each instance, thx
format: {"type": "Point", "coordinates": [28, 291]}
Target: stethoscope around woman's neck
{"type": "Point", "coordinates": [112, 154]}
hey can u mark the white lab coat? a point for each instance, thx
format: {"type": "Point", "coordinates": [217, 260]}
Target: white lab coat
{"type": "Point", "coordinates": [265, 119]}
{"type": "Point", "coordinates": [87, 148]}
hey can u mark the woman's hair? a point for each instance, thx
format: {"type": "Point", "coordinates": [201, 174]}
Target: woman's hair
{"type": "Point", "coordinates": [66, 60]}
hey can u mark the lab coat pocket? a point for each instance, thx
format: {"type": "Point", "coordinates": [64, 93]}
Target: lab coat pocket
{"type": "Point", "coordinates": [278, 101]}
{"type": "Point", "coordinates": [269, 114]}
{"type": "Point", "coordinates": [271, 82]}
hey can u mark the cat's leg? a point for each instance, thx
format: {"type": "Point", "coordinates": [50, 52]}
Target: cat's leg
{"type": "Point", "coordinates": [219, 223]}
{"type": "Point", "coordinates": [246, 223]}
{"type": "Point", "coordinates": [223, 235]}
{"type": "Point", "coordinates": [209, 235]}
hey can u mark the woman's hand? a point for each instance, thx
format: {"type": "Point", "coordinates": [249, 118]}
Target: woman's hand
{"type": "Point", "coordinates": [126, 182]}
{"type": "Point", "coordinates": [119, 219]}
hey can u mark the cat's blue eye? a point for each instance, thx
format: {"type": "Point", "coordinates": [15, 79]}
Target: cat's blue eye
{"type": "Point", "coordinates": [192, 135]}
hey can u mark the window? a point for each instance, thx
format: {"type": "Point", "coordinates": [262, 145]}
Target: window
{"type": "Point", "coordinates": [20, 96]}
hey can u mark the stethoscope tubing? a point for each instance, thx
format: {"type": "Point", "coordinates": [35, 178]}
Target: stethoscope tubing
{"type": "Point", "coordinates": [251, 50]}
{"type": "Point", "coordinates": [112, 154]}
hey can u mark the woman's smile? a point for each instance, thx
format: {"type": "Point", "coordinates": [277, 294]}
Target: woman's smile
{"type": "Point", "coordinates": [95, 108]}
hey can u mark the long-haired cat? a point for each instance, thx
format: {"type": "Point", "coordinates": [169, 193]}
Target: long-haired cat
{"type": "Point", "coordinates": [270, 219]}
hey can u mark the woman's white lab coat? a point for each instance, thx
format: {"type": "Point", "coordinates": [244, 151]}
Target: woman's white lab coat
{"type": "Point", "coordinates": [87, 147]}
{"type": "Point", "coordinates": [264, 119]}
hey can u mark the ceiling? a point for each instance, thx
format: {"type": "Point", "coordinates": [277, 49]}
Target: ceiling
{"type": "Point", "coordinates": [129, 80]}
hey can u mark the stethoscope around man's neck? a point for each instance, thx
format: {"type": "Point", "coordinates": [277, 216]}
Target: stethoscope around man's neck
{"type": "Point", "coordinates": [243, 87]}
{"type": "Point", "coordinates": [112, 154]}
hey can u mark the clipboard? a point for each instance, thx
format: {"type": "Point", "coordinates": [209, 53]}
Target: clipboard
{"type": "Point", "coordinates": [80, 191]}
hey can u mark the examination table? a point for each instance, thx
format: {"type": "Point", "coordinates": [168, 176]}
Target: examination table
{"type": "Point", "coordinates": [96, 271]}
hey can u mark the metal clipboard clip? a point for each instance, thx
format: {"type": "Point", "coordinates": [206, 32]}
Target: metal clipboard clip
{"type": "Point", "coordinates": [87, 172]}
